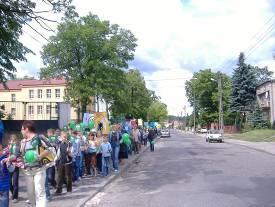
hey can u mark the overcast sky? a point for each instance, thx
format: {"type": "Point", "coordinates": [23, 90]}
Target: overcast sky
{"type": "Point", "coordinates": [179, 37]}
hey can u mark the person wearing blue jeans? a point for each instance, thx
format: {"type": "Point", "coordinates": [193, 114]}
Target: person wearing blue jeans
{"type": "Point", "coordinates": [114, 139]}
{"type": "Point", "coordinates": [76, 152]}
{"type": "Point", "coordinates": [106, 150]}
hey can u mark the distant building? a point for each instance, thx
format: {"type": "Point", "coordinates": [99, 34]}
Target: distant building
{"type": "Point", "coordinates": [35, 99]}
{"type": "Point", "coordinates": [266, 99]}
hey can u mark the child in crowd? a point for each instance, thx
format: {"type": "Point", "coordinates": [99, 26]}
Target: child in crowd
{"type": "Point", "coordinates": [4, 178]}
{"type": "Point", "coordinates": [64, 164]}
{"type": "Point", "coordinates": [14, 174]}
{"type": "Point", "coordinates": [106, 150]}
{"type": "Point", "coordinates": [76, 155]}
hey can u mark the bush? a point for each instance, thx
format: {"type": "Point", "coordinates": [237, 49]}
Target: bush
{"type": "Point", "coordinates": [273, 125]}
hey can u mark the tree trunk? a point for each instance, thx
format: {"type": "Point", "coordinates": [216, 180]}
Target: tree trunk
{"type": "Point", "coordinates": [83, 109]}
{"type": "Point", "coordinates": [97, 103]}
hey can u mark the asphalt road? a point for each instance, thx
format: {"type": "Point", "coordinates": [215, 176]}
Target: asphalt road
{"type": "Point", "coordinates": [185, 171]}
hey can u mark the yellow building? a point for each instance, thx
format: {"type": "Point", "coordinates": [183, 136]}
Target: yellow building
{"type": "Point", "coordinates": [33, 99]}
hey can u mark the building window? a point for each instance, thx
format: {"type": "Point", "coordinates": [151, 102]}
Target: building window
{"type": "Point", "coordinates": [49, 91]}
{"type": "Point", "coordinates": [57, 93]}
{"type": "Point", "coordinates": [39, 109]}
{"type": "Point", "coordinates": [13, 111]}
{"type": "Point", "coordinates": [13, 97]}
{"type": "Point", "coordinates": [31, 94]}
{"type": "Point", "coordinates": [56, 109]}
{"type": "Point", "coordinates": [31, 110]}
{"type": "Point", "coordinates": [48, 109]}
{"type": "Point", "coordinates": [39, 93]}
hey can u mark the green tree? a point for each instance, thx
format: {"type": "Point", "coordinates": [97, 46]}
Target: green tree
{"type": "Point", "coordinates": [203, 88]}
{"type": "Point", "coordinates": [14, 14]}
{"type": "Point", "coordinates": [134, 98]}
{"type": "Point", "coordinates": [92, 55]}
{"type": "Point", "coordinates": [258, 120]}
{"type": "Point", "coordinates": [157, 112]}
{"type": "Point", "coordinates": [243, 86]}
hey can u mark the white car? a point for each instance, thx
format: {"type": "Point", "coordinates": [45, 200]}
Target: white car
{"type": "Point", "coordinates": [214, 135]}
{"type": "Point", "coordinates": [165, 133]}
{"type": "Point", "coordinates": [203, 131]}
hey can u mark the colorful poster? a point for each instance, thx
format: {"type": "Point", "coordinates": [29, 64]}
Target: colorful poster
{"type": "Point", "coordinates": [88, 117]}
{"type": "Point", "coordinates": [101, 122]}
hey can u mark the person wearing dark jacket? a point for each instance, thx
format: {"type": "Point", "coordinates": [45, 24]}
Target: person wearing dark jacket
{"type": "Point", "coordinates": [64, 164]}
{"type": "Point", "coordinates": [151, 138]}
{"type": "Point", "coordinates": [4, 178]}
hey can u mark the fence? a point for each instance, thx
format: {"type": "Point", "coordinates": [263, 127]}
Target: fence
{"type": "Point", "coordinates": [16, 110]}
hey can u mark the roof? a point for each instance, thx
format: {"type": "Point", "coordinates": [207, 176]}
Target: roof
{"type": "Point", "coordinates": [263, 83]}
{"type": "Point", "coordinates": [18, 84]}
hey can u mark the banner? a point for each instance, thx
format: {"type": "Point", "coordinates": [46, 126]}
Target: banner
{"type": "Point", "coordinates": [101, 122]}
{"type": "Point", "coordinates": [87, 117]}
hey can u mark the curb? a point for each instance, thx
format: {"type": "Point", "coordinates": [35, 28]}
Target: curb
{"type": "Point", "coordinates": [125, 168]}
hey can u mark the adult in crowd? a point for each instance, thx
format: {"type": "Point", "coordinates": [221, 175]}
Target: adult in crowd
{"type": "Point", "coordinates": [33, 148]}
{"type": "Point", "coordinates": [4, 178]}
{"type": "Point", "coordinates": [90, 159]}
{"type": "Point", "coordinates": [64, 164]}
{"type": "Point", "coordinates": [151, 138]}
{"type": "Point", "coordinates": [14, 173]}
{"type": "Point", "coordinates": [135, 138]}
{"type": "Point", "coordinates": [114, 139]}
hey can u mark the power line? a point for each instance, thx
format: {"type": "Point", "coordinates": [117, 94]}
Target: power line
{"type": "Point", "coordinates": [260, 40]}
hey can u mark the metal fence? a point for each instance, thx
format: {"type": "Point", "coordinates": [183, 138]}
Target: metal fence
{"type": "Point", "coordinates": [16, 110]}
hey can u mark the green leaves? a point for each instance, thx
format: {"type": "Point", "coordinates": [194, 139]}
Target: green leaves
{"type": "Point", "coordinates": [13, 15]}
{"type": "Point", "coordinates": [202, 92]}
{"type": "Point", "coordinates": [92, 55]}
{"type": "Point", "coordinates": [157, 112]}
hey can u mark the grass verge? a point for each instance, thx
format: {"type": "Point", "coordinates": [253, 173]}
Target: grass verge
{"type": "Point", "coordinates": [256, 135]}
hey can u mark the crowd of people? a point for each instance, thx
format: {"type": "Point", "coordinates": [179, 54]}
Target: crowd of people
{"type": "Point", "coordinates": [63, 157]}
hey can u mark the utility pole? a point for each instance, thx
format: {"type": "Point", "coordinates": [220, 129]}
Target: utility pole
{"type": "Point", "coordinates": [220, 102]}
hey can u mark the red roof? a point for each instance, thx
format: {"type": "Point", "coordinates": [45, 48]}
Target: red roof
{"type": "Point", "coordinates": [18, 84]}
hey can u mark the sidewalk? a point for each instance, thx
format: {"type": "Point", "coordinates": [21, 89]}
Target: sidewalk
{"type": "Point", "coordinates": [268, 147]}
{"type": "Point", "coordinates": [83, 191]}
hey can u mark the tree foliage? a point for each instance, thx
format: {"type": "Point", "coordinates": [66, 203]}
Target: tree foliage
{"type": "Point", "coordinates": [92, 55]}
{"type": "Point", "coordinates": [203, 90]}
{"type": "Point", "coordinates": [157, 112]}
{"type": "Point", "coordinates": [14, 14]}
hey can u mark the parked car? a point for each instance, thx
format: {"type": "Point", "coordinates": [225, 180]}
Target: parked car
{"type": "Point", "coordinates": [203, 130]}
{"type": "Point", "coordinates": [165, 133]}
{"type": "Point", "coordinates": [214, 135]}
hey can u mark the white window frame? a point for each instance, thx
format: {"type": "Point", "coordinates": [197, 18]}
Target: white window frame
{"type": "Point", "coordinates": [39, 93]}
{"type": "Point", "coordinates": [13, 97]}
{"type": "Point", "coordinates": [13, 111]}
{"type": "Point", "coordinates": [48, 109]}
{"type": "Point", "coordinates": [57, 93]}
{"type": "Point", "coordinates": [31, 94]}
{"type": "Point", "coordinates": [48, 93]}
{"type": "Point", "coordinates": [31, 110]}
{"type": "Point", "coordinates": [39, 109]}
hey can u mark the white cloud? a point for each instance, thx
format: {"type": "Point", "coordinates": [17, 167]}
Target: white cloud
{"type": "Point", "coordinates": [182, 36]}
